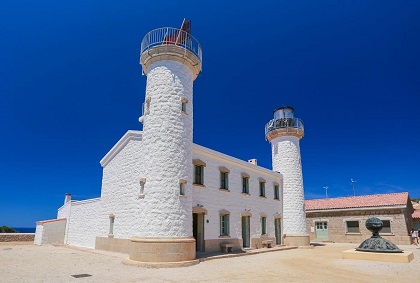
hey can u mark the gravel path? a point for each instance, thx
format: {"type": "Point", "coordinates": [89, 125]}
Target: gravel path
{"type": "Point", "coordinates": [29, 263]}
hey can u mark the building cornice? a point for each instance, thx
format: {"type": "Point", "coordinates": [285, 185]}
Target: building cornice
{"type": "Point", "coordinates": [79, 202]}
{"type": "Point", "coordinates": [49, 221]}
{"type": "Point", "coordinates": [128, 136]}
{"type": "Point", "coordinates": [197, 149]}
{"type": "Point", "coordinates": [226, 159]}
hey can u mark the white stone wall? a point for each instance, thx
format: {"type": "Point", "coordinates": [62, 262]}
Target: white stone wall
{"type": "Point", "coordinates": [86, 222]}
{"type": "Point", "coordinates": [64, 212]}
{"type": "Point", "coordinates": [120, 193]}
{"type": "Point", "coordinates": [167, 142]}
{"type": "Point", "coordinates": [214, 200]}
{"type": "Point", "coordinates": [286, 159]}
{"type": "Point", "coordinates": [38, 234]}
{"type": "Point", "coordinates": [50, 232]}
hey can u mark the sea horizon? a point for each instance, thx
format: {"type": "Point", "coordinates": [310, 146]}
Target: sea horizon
{"type": "Point", "coordinates": [24, 229]}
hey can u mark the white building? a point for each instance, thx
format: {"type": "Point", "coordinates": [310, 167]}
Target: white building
{"type": "Point", "coordinates": [163, 198]}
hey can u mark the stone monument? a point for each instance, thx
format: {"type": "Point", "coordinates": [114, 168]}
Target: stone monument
{"type": "Point", "coordinates": [376, 243]}
{"type": "Point", "coordinates": [377, 248]}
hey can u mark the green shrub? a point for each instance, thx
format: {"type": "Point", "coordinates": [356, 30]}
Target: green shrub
{"type": "Point", "coordinates": [5, 229]}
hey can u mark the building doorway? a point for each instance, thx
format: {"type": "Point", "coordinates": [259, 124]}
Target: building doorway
{"type": "Point", "coordinates": [246, 220]}
{"type": "Point", "coordinates": [277, 230]}
{"type": "Point", "coordinates": [321, 230]}
{"type": "Point", "coordinates": [198, 231]}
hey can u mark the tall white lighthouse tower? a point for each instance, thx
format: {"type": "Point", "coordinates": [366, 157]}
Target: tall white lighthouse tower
{"type": "Point", "coordinates": [284, 133]}
{"type": "Point", "coordinates": [171, 59]}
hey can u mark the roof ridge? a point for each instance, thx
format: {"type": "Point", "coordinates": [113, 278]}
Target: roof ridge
{"type": "Point", "coordinates": [323, 199]}
{"type": "Point", "coordinates": [377, 200]}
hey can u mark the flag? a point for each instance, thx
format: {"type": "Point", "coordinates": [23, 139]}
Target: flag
{"type": "Point", "coordinates": [179, 36]}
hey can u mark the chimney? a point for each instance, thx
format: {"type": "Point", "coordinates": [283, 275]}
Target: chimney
{"type": "Point", "coordinates": [67, 198]}
{"type": "Point", "coordinates": [253, 161]}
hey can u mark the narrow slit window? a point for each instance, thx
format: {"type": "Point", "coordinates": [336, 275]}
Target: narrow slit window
{"type": "Point", "coordinates": [142, 183]}
{"type": "Point", "coordinates": [146, 106]}
{"type": "Point", "coordinates": [184, 103]}
{"type": "Point", "coordinates": [111, 225]}
{"type": "Point", "coordinates": [182, 188]}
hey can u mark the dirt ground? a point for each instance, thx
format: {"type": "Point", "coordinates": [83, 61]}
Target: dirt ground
{"type": "Point", "coordinates": [29, 263]}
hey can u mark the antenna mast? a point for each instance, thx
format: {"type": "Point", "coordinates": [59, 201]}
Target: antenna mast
{"type": "Point", "coordinates": [352, 184]}
{"type": "Point", "coordinates": [326, 191]}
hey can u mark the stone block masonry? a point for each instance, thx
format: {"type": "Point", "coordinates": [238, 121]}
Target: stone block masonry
{"type": "Point", "coordinates": [287, 160]}
{"type": "Point", "coordinates": [17, 237]}
{"type": "Point", "coordinates": [337, 230]}
{"type": "Point", "coordinates": [167, 142]}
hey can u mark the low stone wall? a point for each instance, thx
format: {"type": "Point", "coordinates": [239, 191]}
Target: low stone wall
{"type": "Point", "coordinates": [17, 237]}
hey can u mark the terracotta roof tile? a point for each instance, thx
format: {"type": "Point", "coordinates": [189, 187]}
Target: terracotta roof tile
{"type": "Point", "coordinates": [416, 214]}
{"type": "Point", "coordinates": [358, 201]}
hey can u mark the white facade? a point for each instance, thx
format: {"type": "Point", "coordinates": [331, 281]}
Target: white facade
{"type": "Point", "coordinates": [215, 200]}
{"type": "Point", "coordinates": [122, 198]}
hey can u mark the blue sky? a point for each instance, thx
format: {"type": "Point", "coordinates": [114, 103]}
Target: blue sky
{"type": "Point", "coordinates": [71, 86]}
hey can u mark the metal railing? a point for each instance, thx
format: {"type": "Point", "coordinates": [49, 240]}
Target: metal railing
{"type": "Point", "coordinates": [171, 36]}
{"type": "Point", "coordinates": [284, 123]}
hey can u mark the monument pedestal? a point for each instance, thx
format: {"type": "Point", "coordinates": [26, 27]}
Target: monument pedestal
{"type": "Point", "coordinates": [377, 248]}
{"type": "Point", "coordinates": [403, 257]}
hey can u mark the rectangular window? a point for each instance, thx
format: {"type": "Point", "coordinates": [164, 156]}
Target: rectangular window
{"type": "Point", "coordinates": [353, 227]}
{"type": "Point", "coordinates": [276, 192]}
{"type": "Point", "coordinates": [245, 185]}
{"type": "Point", "coordinates": [199, 174]}
{"type": "Point", "coordinates": [224, 225]}
{"type": "Point", "coordinates": [224, 180]}
{"type": "Point", "coordinates": [262, 189]}
{"type": "Point", "coordinates": [387, 227]}
{"type": "Point", "coordinates": [263, 225]}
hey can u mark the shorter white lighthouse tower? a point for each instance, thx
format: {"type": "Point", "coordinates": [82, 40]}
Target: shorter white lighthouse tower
{"type": "Point", "coordinates": [284, 133]}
